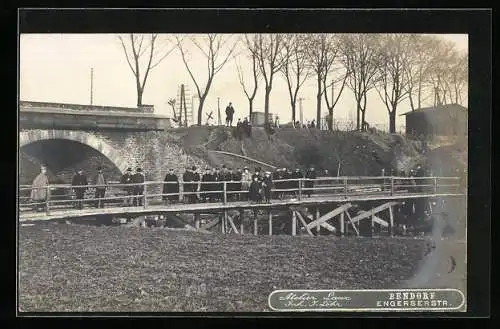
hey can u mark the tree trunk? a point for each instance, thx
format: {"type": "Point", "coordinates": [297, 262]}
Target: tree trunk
{"type": "Point", "coordinates": [330, 119]}
{"type": "Point", "coordinates": [293, 111]}
{"type": "Point", "coordinates": [358, 112]}
{"type": "Point", "coordinates": [392, 122]}
{"type": "Point", "coordinates": [200, 109]}
{"type": "Point", "coordinates": [318, 105]}
{"type": "Point", "coordinates": [139, 96]}
{"type": "Point", "coordinates": [412, 105]}
{"type": "Point", "coordinates": [266, 105]}
{"type": "Point", "coordinates": [250, 108]}
{"type": "Point", "coordinates": [363, 120]}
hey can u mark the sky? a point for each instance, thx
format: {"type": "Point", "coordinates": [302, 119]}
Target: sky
{"type": "Point", "coordinates": [56, 68]}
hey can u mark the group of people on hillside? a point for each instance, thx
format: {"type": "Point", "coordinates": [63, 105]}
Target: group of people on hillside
{"type": "Point", "coordinates": [240, 184]}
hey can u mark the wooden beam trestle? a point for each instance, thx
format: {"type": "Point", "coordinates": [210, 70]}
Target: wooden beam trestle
{"type": "Point", "coordinates": [329, 215]}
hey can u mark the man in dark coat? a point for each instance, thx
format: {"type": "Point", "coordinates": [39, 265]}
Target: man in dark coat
{"type": "Point", "coordinates": [218, 186]}
{"type": "Point", "coordinates": [187, 178]}
{"type": "Point", "coordinates": [255, 190]}
{"type": "Point", "coordinates": [171, 186]}
{"type": "Point", "coordinates": [277, 175]}
{"type": "Point", "coordinates": [206, 186]}
{"type": "Point", "coordinates": [237, 176]}
{"type": "Point", "coordinates": [229, 115]}
{"type": "Point", "coordinates": [138, 180]}
{"type": "Point", "coordinates": [267, 184]}
{"type": "Point", "coordinates": [296, 175]}
{"type": "Point", "coordinates": [196, 181]}
{"type": "Point", "coordinates": [79, 184]}
{"type": "Point", "coordinates": [257, 174]}
{"type": "Point", "coordinates": [129, 189]}
{"type": "Point", "coordinates": [311, 174]}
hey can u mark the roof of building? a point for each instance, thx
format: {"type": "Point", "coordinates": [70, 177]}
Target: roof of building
{"type": "Point", "coordinates": [438, 108]}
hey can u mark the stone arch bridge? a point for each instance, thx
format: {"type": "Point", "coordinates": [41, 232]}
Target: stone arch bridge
{"type": "Point", "coordinates": [67, 137]}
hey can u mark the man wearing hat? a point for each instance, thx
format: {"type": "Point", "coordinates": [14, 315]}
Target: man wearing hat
{"type": "Point", "coordinates": [79, 184]}
{"type": "Point", "coordinates": [196, 184]}
{"type": "Point", "coordinates": [138, 180]}
{"type": "Point", "coordinates": [267, 184]}
{"type": "Point", "coordinates": [129, 189]}
{"type": "Point", "coordinates": [296, 176]}
{"type": "Point", "coordinates": [205, 185]}
{"type": "Point", "coordinates": [100, 189]}
{"type": "Point", "coordinates": [310, 175]}
{"type": "Point", "coordinates": [171, 186]}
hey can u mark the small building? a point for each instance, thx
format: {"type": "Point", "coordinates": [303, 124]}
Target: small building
{"type": "Point", "coordinates": [258, 118]}
{"type": "Point", "coordinates": [441, 120]}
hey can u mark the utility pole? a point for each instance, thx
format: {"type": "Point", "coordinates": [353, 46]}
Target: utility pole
{"type": "Point", "coordinates": [91, 86]}
{"type": "Point", "coordinates": [218, 112]}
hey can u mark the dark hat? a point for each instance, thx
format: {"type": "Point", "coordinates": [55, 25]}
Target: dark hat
{"type": "Point", "coordinates": [193, 168]}
{"type": "Point", "coordinates": [138, 170]}
{"type": "Point", "coordinates": [170, 169]}
{"type": "Point", "coordinates": [206, 168]}
{"type": "Point", "coordinates": [99, 168]}
{"type": "Point", "coordinates": [223, 166]}
{"type": "Point", "coordinates": [129, 169]}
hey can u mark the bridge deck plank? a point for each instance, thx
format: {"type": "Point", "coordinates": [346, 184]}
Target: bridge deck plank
{"type": "Point", "coordinates": [213, 207]}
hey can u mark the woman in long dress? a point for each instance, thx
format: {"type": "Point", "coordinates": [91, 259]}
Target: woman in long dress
{"type": "Point", "coordinates": [39, 191]}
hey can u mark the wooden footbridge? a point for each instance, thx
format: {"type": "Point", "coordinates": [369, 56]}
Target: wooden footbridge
{"type": "Point", "coordinates": [332, 203]}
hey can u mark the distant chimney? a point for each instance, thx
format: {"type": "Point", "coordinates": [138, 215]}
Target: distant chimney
{"type": "Point", "coordinates": [147, 108]}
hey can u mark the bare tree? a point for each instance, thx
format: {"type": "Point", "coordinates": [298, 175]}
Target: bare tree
{"type": "Point", "coordinates": [267, 50]}
{"type": "Point", "coordinates": [445, 55]}
{"type": "Point", "coordinates": [338, 74]}
{"type": "Point", "coordinates": [144, 53]}
{"type": "Point", "coordinates": [217, 49]}
{"type": "Point", "coordinates": [422, 55]}
{"type": "Point", "coordinates": [251, 45]}
{"type": "Point", "coordinates": [460, 77]}
{"type": "Point", "coordinates": [360, 60]}
{"type": "Point", "coordinates": [392, 78]}
{"type": "Point", "coordinates": [319, 52]}
{"type": "Point", "coordinates": [294, 68]}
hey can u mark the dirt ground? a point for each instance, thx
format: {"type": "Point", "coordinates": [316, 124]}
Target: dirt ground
{"type": "Point", "coordinates": [84, 268]}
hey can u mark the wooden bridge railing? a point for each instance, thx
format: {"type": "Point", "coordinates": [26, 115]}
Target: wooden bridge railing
{"type": "Point", "coordinates": [151, 192]}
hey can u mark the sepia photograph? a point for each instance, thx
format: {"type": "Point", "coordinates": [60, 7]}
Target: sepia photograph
{"type": "Point", "coordinates": [242, 172]}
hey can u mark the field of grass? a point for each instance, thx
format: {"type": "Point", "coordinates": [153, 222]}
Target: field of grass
{"type": "Point", "coordinates": [89, 268]}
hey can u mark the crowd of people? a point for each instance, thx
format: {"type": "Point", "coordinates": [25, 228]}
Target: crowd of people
{"type": "Point", "coordinates": [240, 184]}
{"type": "Point", "coordinates": [212, 185]}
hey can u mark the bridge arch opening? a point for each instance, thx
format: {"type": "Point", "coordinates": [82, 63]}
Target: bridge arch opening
{"type": "Point", "coordinates": [63, 157]}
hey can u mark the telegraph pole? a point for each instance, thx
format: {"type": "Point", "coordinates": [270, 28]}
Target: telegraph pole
{"type": "Point", "coordinates": [91, 86]}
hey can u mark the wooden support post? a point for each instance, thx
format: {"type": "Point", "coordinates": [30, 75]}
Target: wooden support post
{"type": "Point", "coordinates": [294, 223]}
{"type": "Point", "coordinates": [241, 220]}
{"type": "Point", "coordinates": [255, 222]}
{"type": "Point", "coordinates": [144, 195]}
{"type": "Point", "coordinates": [270, 218]}
{"type": "Point", "coordinates": [233, 227]}
{"type": "Point", "coordinates": [300, 189]}
{"type": "Point", "coordinates": [302, 220]}
{"type": "Point", "coordinates": [225, 192]}
{"type": "Point", "coordinates": [223, 225]}
{"type": "Point", "coordinates": [392, 185]}
{"type": "Point", "coordinates": [197, 221]}
{"type": "Point", "coordinates": [345, 187]}
{"type": "Point", "coordinates": [342, 224]}
{"type": "Point", "coordinates": [47, 198]}
{"type": "Point", "coordinates": [435, 185]}
{"type": "Point", "coordinates": [391, 221]}
{"type": "Point", "coordinates": [226, 226]}
{"type": "Point", "coordinates": [318, 228]}
{"type": "Point", "coordinates": [373, 223]}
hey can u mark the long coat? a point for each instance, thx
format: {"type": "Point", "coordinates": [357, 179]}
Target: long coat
{"type": "Point", "coordinates": [38, 188]}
